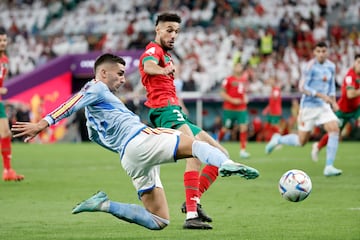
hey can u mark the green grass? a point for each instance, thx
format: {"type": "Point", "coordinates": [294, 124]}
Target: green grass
{"type": "Point", "coordinates": [61, 175]}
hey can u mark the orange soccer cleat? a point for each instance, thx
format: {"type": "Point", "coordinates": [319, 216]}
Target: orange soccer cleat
{"type": "Point", "coordinates": [11, 175]}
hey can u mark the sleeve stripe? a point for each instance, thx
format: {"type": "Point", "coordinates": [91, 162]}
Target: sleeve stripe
{"type": "Point", "coordinates": [63, 108]}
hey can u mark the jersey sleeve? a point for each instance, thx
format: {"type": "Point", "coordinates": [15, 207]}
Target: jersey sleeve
{"type": "Point", "coordinates": [153, 54]}
{"type": "Point", "coordinates": [85, 97]}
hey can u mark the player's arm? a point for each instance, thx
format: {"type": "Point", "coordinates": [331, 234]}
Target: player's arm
{"type": "Point", "coordinates": [352, 93]}
{"type": "Point", "coordinates": [228, 98]}
{"type": "Point", "coordinates": [151, 67]}
{"type": "Point", "coordinates": [75, 103]}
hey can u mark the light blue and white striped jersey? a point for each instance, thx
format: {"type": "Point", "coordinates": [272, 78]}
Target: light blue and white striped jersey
{"type": "Point", "coordinates": [110, 123]}
{"type": "Point", "coordinates": [317, 78]}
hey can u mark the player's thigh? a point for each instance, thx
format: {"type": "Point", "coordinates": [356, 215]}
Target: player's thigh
{"type": "Point", "coordinates": [332, 126]}
{"type": "Point", "coordinates": [155, 202]}
{"type": "Point", "coordinates": [304, 137]}
{"type": "Point", "coordinates": [242, 117]}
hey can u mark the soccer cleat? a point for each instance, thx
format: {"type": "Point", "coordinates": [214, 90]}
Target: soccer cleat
{"type": "Point", "coordinates": [92, 204]}
{"type": "Point", "coordinates": [196, 223]}
{"type": "Point", "coordinates": [273, 143]}
{"type": "Point", "coordinates": [330, 171]}
{"type": "Point", "coordinates": [244, 154]}
{"type": "Point", "coordinates": [315, 152]}
{"type": "Point", "coordinates": [11, 175]}
{"type": "Point", "coordinates": [229, 169]}
{"type": "Point", "coordinates": [202, 214]}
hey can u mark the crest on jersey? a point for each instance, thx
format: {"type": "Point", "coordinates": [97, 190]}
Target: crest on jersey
{"type": "Point", "coordinates": [348, 80]}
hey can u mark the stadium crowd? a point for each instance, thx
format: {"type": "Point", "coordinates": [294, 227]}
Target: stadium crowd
{"type": "Point", "coordinates": [273, 38]}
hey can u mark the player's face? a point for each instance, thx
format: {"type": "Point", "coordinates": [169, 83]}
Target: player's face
{"type": "Point", "coordinates": [320, 54]}
{"type": "Point", "coordinates": [114, 76]}
{"type": "Point", "coordinates": [3, 42]}
{"type": "Point", "coordinates": [357, 66]}
{"type": "Point", "coordinates": [238, 69]}
{"type": "Point", "coordinates": [166, 33]}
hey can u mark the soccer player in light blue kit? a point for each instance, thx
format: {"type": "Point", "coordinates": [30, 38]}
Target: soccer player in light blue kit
{"type": "Point", "coordinates": [318, 88]}
{"type": "Point", "coordinates": [142, 149]}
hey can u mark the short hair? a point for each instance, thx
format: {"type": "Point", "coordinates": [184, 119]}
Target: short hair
{"type": "Point", "coordinates": [321, 44]}
{"type": "Point", "coordinates": [108, 58]}
{"type": "Point", "coordinates": [2, 31]}
{"type": "Point", "coordinates": [168, 17]}
{"type": "Point", "coordinates": [357, 56]}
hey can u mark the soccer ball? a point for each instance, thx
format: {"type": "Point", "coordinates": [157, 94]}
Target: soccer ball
{"type": "Point", "coordinates": [295, 185]}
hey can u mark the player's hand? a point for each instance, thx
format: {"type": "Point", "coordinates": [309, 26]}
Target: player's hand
{"type": "Point", "coordinates": [335, 106]}
{"type": "Point", "coordinates": [27, 129]}
{"type": "Point", "coordinates": [169, 70]}
{"type": "Point", "coordinates": [236, 101]}
{"type": "Point", "coordinates": [3, 90]}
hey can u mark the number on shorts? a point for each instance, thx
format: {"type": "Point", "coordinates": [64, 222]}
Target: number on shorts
{"type": "Point", "coordinates": [179, 115]}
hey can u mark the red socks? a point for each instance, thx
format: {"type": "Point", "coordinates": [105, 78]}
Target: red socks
{"type": "Point", "coordinates": [6, 152]}
{"type": "Point", "coordinates": [207, 177]}
{"type": "Point", "coordinates": [323, 141]}
{"type": "Point", "coordinates": [191, 183]}
{"type": "Point", "coordinates": [243, 140]}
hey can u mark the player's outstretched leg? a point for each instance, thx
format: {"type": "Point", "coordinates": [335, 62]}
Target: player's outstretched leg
{"type": "Point", "coordinates": [232, 168]}
{"type": "Point", "coordinates": [93, 204]}
{"type": "Point", "coordinates": [131, 213]}
{"type": "Point", "coordinates": [272, 143]}
{"type": "Point", "coordinates": [213, 156]}
{"type": "Point", "coordinates": [315, 152]}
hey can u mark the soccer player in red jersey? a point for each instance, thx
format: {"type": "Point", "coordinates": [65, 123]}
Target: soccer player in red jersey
{"type": "Point", "coordinates": [273, 110]}
{"type": "Point", "coordinates": [157, 75]}
{"type": "Point", "coordinates": [349, 104]}
{"type": "Point", "coordinates": [235, 105]}
{"type": "Point", "coordinates": [8, 173]}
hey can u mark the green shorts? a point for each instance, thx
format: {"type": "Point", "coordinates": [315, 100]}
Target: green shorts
{"type": "Point", "coordinates": [346, 117]}
{"type": "Point", "coordinates": [2, 110]}
{"type": "Point", "coordinates": [232, 117]}
{"type": "Point", "coordinates": [171, 117]}
{"type": "Point", "coordinates": [273, 119]}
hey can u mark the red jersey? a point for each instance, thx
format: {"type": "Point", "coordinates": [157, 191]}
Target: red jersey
{"type": "Point", "coordinates": [4, 68]}
{"type": "Point", "coordinates": [235, 87]}
{"type": "Point", "coordinates": [160, 89]}
{"type": "Point", "coordinates": [275, 108]}
{"type": "Point", "coordinates": [351, 80]}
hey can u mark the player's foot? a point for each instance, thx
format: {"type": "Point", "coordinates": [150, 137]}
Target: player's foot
{"type": "Point", "coordinates": [229, 169]}
{"type": "Point", "coordinates": [272, 143]}
{"type": "Point", "coordinates": [244, 154]}
{"type": "Point", "coordinates": [315, 152]}
{"type": "Point", "coordinates": [202, 214]}
{"type": "Point", "coordinates": [196, 223]}
{"type": "Point", "coordinates": [92, 204]}
{"type": "Point", "coordinates": [330, 171]}
{"type": "Point", "coordinates": [11, 175]}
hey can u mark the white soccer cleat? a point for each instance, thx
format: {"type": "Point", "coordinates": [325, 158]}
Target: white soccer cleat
{"type": "Point", "coordinates": [274, 142]}
{"type": "Point", "coordinates": [244, 154]}
{"type": "Point", "coordinates": [330, 171]}
{"type": "Point", "coordinates": [315, 152]}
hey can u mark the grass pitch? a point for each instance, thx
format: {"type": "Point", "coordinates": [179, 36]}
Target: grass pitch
{"type": "Point", "coordinates": [59, 176]}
